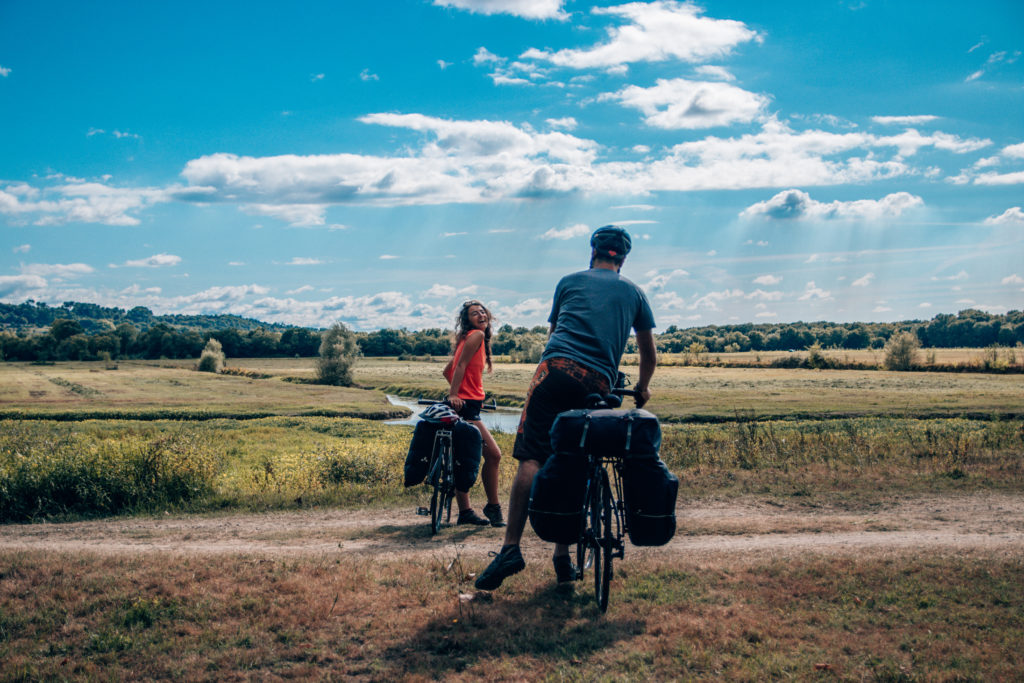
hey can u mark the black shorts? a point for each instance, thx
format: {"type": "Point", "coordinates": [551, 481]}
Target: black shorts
{"type": "Point", "coordinates": [559, 384]}
{"type": "Point", "coordinates": [470, 410]}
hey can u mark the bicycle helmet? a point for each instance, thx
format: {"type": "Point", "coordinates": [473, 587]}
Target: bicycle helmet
{"type": "Point", "coordinates": [440, 412]}
{"type": "Point", "coordinates": [611, 241]}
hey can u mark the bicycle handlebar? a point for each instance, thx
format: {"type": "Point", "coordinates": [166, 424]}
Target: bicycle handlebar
{"type": "Point", "coordinates": [493, 405]}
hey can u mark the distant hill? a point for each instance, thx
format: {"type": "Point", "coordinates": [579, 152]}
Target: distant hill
{"type": "Point", "coordinates": [32, 316]}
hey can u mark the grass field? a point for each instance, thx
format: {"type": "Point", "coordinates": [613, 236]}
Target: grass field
{"type": "Point", "coordinates": [156, 438]}
{"type": "Point", "coordinates": [904, 618]}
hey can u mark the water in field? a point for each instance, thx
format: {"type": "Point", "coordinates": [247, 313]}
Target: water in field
{"type": "Point", "coordinates": [500, 420]}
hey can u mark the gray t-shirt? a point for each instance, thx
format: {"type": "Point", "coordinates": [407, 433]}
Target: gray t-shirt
{"type": "Point", "coordinates": [593, 312]}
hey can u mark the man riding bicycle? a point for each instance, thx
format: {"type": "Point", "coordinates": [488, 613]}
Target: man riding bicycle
{"type": "Point", "coordinates": [591, 317]}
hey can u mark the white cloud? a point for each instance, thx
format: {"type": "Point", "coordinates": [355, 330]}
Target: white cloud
{"type": "Point", "coordinates": [683, 104]}
{"type": "Point", "coordinates": [22, 249]}
{"type": "Point", "coordinates": [1014, 151]}
{"type": "Point", "coordinates": [485, 56]}
{"type": "Point", "coordinates": [924, 304]}
{"type": "Point", "coordinates": [446, 235]}
{"type": "Point", "coordinates": [367, 75]}
{"type": "Point", "coordinates": [962, 275]}
{"type": "Point", "coordinates": [659, 281]}
{"type": "Point", "coordinates": [570, 232]}
{"type": "Point", "coordinates": [387, 257]}
{"type": "Point", "coordinates": [1012, 280]}
{"type": "Point", "coordinates": [5, 71]}
{"type": "Point", "coordinates": [812, 291]}
{"type": "Point", "coordinates": [904, 120]}
{"type": "Point", "coordinates": [304, 261]}
{"type": "Point", "coordinates": [79, 201]}
{"type": "Point", "coordinates": [766, 314]}
{"type": "Point", "coordinates": [443, 64]}
{"type": "Point", "coordinates": [296, 215]}
{"type": "Point", "coordinates": [439, 291]}
{"type": "Point", "coordinates": [16, 287]}
{"type": "Point", "coordinates": [767, 280]}
{"type": "Point", "coordinates": [527, 9]}
{"type": "Point", "coordinates": [1012, 216]}
{"type": "Point", "coordinates": [863, 281]}
{"type": "Point", "coordinates": [300, 290]}
{"type": "Point", "coordinates": [154, 261]}
{"type": "Point", "coordinates": [1015, 178]}
{"type": "Point", "coordinates": [716, 72]}
{"type": "Point", "coordinates": [316, 77]}
{"type": "Point", "coordinates": [654, 32]}
{"type": "Point", "coordinates": [565, 123]}
{"type": "Point", "coordinates": [881, 309]}
{"type": "Point", "coordinates": [57, 270]}
{"type": "Point", "coordinates": [798, 205]}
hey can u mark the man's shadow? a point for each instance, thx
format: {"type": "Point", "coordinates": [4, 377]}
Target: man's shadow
{"type": "Point", "coordinates": [546, 624]}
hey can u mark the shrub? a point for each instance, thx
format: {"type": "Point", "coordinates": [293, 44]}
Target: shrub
{"type": "Point", "coordinates": [338, 353]}
{"type": "Point", "coordinates": [62, 473]}
{"type": "Point", "coordinates": [212, 358]}
{"type": "Point", "coordinates": [900, 352]}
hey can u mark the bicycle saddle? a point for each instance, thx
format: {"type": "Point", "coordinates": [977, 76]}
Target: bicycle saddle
{"type": "Point", "coordinates": [598, 401]}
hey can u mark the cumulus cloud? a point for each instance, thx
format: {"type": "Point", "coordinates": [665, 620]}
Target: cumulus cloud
{"type": "Point", "coordinates": [812, 291]}
{"type": "Point", "coordinates": [154, 261]}
{"type": "Point", "coordinates": [440, 291]}
{"type": "Point", "coordinates": [1014, 151]}
{"type": "Point", "coordinates": [659, 281]}
{"type": "Point", "coordinates": [904, 120]}
{"type": "Point", "coordinates": [527, 9]}
{"type": "Point", "coordinates": [653, 32]}
{"type": "Point", "coordinates": [16, 287]}
{"type": "Point", "coordinates": [767, 280]}
{"type": "Point", "coordinates": [1015, 178]}
{"type": "Point", "coordinates": [57, 270]}
{"type": "Point", "coordinates": [304, 261]}
{"type": "Point", "coordinates": [79, 201]}
{"type": "Point", "coordinates": [577, 230]}
{"type": "Point", "coordinates": [863, 281]}
{"type": "Point", "coordinates": [683, 104]}
{"type": "Point", "coordinates": [296, 215]}
{"type": "Point", "coordinates": [798, 205]}
{"type": "Point", "coordinates": [22, 249]}
{"type": "Point", "coordinates": [5, 71]}
{"type": "Point", "coordinates": [1012, 216]}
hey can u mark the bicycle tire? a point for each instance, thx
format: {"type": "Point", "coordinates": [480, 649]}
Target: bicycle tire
{"type": "Point", "coordinates": [594, 537]}
{"type": "Point", "coordinates": [607, 541]}
{"type": "Point", "coordinates": [436, 504]}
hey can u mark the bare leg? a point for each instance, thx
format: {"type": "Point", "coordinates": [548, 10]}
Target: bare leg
{"type": "Point", "coordinates": [519, 501]}
{"type": "Point", "coordinates": [489, 472]}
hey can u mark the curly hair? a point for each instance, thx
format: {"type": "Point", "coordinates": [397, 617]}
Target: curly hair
{"type": "Point", "coordinates": [463, 327]}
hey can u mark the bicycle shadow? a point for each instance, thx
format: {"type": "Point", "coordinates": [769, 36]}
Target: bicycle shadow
{"type": "Point", "coordinates": [547, 624]}
{"type": "Point", "coordinates": [418, 530]}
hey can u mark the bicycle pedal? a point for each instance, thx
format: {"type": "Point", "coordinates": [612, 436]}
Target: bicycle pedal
{"type": "Point", "coordinates": [423, 512]}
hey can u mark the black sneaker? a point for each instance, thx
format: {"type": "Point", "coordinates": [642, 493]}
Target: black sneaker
{"type": "Point", "coordinates": [506, 563]}
{"type": "Point", "coordinates": [565, 570]}
{"type": "Point", "coordinates": [469, 516]}
{"type": "Point", "coordinates": [492, 511]}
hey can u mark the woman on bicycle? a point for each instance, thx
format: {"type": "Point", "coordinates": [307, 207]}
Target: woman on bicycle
{"type": "Point", "coordinates": [464, 373]}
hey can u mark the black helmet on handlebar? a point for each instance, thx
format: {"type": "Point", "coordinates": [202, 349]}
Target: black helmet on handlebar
{"type": "Point", "coordinates": [611, 242]}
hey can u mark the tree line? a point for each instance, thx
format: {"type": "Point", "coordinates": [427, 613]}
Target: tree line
{"type": "Point", "coordinates": [78, 335]}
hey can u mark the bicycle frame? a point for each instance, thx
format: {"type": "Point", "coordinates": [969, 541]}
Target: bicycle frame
{"type": "Point", "coordinates": [441, 477]}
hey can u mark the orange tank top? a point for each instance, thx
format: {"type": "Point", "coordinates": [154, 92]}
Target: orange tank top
{"type": "Point", "coordinates": [472, 386]}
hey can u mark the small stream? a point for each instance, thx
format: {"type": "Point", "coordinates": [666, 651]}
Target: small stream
{"type": "Point", "coordinates": [500, 420]}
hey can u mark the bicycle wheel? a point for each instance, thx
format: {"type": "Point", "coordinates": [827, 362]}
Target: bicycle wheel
{"type": "Point", "coordinates": [595, 536]}
{"type": "Point", "coordinates": [607, 542]}
{"type": "Point", "coordinates": [436, 505]}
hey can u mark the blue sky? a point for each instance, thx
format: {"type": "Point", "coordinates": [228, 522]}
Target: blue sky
{"type": "Point", "coordinates": [378, 163]}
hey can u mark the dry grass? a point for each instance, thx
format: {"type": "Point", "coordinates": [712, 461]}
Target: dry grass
{"type": "Point", "coordinates": [231, 618]}
{"type": "Point", "coordinates": [158, 388]}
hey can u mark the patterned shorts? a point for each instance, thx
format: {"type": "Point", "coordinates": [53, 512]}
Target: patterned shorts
{"type": "Point", "coordinates": [559, 384]}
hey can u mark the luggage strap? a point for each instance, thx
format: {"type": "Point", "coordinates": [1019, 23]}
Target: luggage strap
{"type": "Point", "coordinates": [629, 430]}
{"type": "Point", "coordinates": [586, 428]}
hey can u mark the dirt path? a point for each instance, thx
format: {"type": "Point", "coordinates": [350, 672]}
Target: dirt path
{"type": "Point", "coordinates": [988, 523]}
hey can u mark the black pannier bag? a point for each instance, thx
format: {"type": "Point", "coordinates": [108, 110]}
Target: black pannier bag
{"type": "Point", "coordinates": [606, 432]}
{"type": "Point", "coordinates": [650, 491]}
{"type": "Point", "coordinates": [557, 496]}
{"type": "Point", "coordinates": [467, 445]}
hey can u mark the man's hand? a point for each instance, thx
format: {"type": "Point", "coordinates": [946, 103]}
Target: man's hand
{"type": "Point", "coordinates": [642, 397]}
